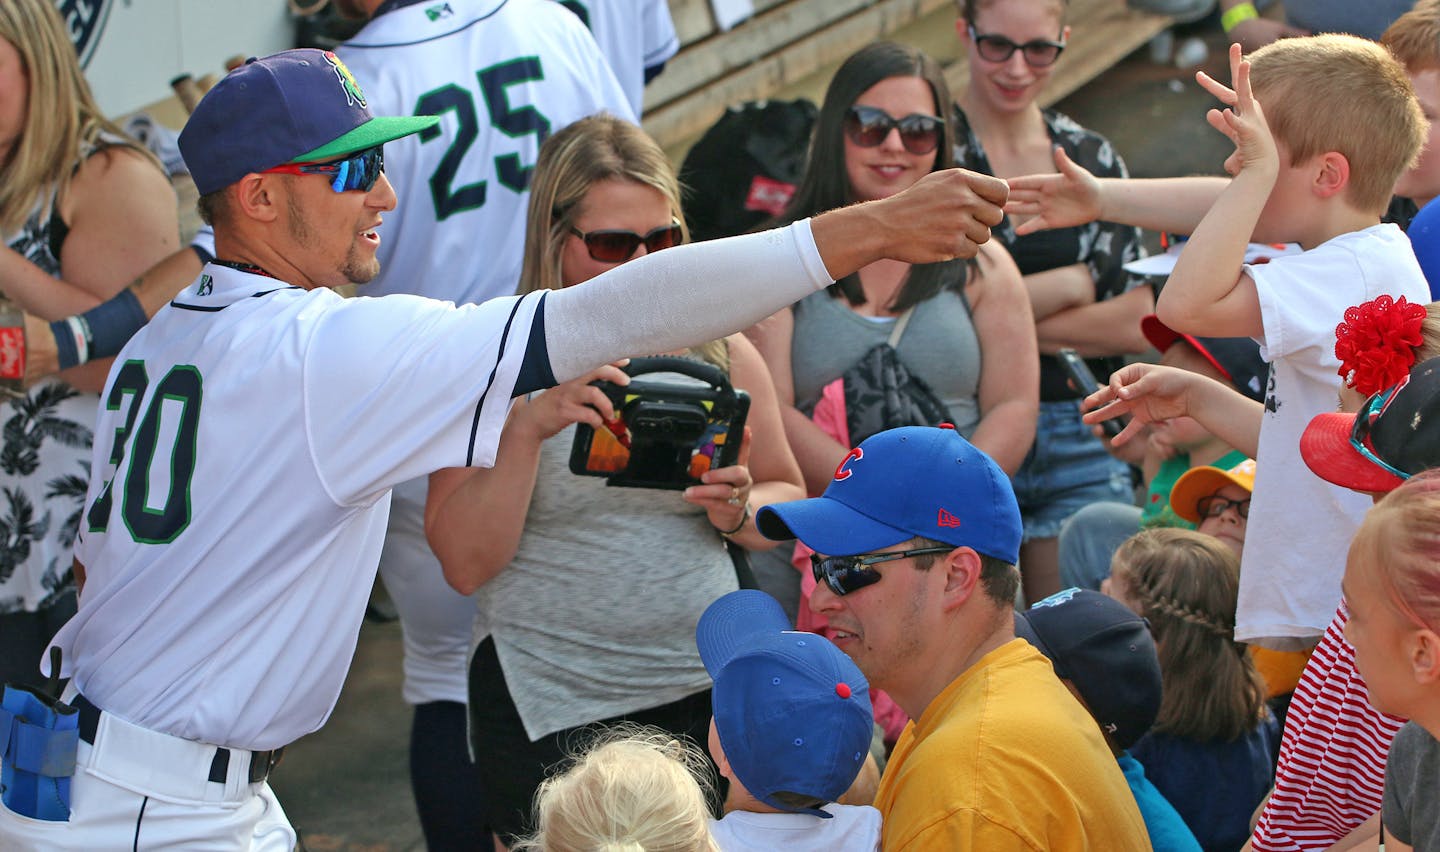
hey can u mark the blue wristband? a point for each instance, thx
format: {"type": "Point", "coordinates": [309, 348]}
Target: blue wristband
{"type": "Point", "coordinates": [99, 332]}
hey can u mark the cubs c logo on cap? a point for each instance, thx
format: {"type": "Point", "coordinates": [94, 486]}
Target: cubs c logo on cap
{"type": "Point", "coordinates": [843, 471]}
{"type": "Point", "coordinates": [353, 95]}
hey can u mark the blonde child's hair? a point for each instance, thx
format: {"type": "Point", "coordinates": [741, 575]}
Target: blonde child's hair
{"type": "Point", "coordinates": [1414, 38]}
{"type": "Point", "coordinates": [1429, 333]}
{"type": "Point", "coordinates": [635, 789]}
{"type": "Point", "coordinates": [1401, 537]}
{"type": "Point", "coordinates": [1186, 584]}
{"type": "Point", "coordinates": [1346, 94]}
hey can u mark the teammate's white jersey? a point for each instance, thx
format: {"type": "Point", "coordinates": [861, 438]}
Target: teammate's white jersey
{"type": "Point", "coordinates": [258, 429]}
{"type": "Point", "coordinates": [502, 75]}
{"type": "Point", "coordinates": [633, 34]}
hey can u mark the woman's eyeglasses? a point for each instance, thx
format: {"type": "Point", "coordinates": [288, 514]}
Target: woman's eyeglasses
{"type": "Point", "coordinates": [868, 126]}
{"type": "Point", "coordinates": [1040, 53]}
{"type": "Point", "coordinates": [358, 171]}
{"type": "Point", "coordinates": [846, 574]}
{"type": "Point", "coordinates": [620, 246]}
{"type": "Point", "coordinates": [1364, 420]}
{"type": "Point", "coordinates": [1214, 506]}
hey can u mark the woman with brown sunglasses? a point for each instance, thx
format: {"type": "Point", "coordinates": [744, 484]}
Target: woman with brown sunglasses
{"type": "Point", "coordinates": [588, 595]}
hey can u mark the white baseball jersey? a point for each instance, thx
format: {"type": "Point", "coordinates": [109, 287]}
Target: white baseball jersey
{"type": "Point", "coordinates": [502, 75]}
{"type": "Point", "coordinates": [633, 34]}
{"type": "Point", "coordinates": [247, 443]}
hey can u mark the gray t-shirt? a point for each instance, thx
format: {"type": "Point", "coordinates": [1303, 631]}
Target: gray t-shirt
{"type": "Point", "coordinates": [1368, 19]}
{"type": "Point", "coordinates": [1412, 789]}
{"type": "Point", "coordinates": [595, 616]}
{"type": "Point", "coordinates": [939, 347]}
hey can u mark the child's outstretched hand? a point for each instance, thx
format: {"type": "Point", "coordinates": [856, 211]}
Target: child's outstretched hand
{"type": "Point", "coordinates": [1243, 122]}
{"type": "Point", "coordinates": [1149, 393]}
{"type": "Point", "coordinates": [1063, 200]}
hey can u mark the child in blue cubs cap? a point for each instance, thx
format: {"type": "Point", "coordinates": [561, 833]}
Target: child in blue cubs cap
{"type": "Point", "coordinates": [791, 730]}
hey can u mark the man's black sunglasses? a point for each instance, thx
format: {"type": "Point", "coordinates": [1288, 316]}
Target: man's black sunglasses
{"type": "Point", "coordinates": [846, 574]}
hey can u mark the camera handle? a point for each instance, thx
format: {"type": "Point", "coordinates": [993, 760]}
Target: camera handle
{"type": "Point", "coordinates": [707, 373]}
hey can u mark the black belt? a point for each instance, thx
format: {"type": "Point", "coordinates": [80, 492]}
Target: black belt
{"type": "Point", "coordinates": [262, 763]}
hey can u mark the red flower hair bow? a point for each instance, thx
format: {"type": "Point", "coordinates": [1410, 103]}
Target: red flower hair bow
{"type": "Point", "coordinates": [1376, 343]}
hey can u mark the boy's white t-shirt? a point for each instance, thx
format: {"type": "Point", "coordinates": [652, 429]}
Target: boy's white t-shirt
{"type": "Point", "coordinates": [850, 827]}
{"type": "Point", "coordinates": [1300, 526]}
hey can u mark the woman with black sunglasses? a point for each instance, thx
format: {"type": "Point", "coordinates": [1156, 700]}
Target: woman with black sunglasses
{"type": "Point", "coordinates": [968, 338]}
{"type": "Point", "coordinates": [1081, 296]}
{"type": "Point", "coordinates": [588, 595]}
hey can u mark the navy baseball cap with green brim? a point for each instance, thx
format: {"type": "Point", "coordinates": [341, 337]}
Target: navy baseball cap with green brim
{"type": "Point", "coordinates": [297, 106]}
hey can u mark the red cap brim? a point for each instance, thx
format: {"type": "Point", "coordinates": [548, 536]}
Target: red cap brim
{"type": "Point", "coordinates": [1325, 446]}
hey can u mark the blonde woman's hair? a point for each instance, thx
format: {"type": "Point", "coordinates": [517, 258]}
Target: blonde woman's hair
{"type": "Point", "coordinates": [635, 789]}
{"type": "Point", "coordinates": [61, 118]}
{"type": "Point", "coordinates": [594, 149]}
{"type": "Point", "coordinates": [1186, 584]}
{"type": "Point", "coordinates": [1401, 538]}
{"type": "Point", "coordinates": [1345, 94]}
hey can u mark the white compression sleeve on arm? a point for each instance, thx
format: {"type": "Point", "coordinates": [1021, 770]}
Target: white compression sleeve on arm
{"type": "Point", "coordinates": [680, 297]}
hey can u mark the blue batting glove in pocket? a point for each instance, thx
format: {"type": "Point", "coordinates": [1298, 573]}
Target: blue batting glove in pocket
{"type": "Point", "coordinates": [38, 739]}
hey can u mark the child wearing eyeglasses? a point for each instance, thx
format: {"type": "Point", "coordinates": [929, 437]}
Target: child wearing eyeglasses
{"type": "Point", "coordinates": [1080, 293]}
{"type": "Point", "coordinates": [1217, 501]}
{"type": "Point", "coordinates": [1212, 749]}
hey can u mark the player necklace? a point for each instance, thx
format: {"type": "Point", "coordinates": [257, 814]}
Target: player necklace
{"type": "Point", "coordinates": [245, 267]}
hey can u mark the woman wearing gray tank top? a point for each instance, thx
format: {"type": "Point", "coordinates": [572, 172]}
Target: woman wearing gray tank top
{"type": "Point", "coordinates": [588, 596]}
{"type": "Point", "coordinates": [970, 335]}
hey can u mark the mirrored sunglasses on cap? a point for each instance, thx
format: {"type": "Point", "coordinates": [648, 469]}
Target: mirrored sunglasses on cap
{"type": "Point", "coordinates": [611, 246]}
{"type": "Point", "coordinates": [868, 127]}
{"type": "Point", "coordinates": [1040, 53]}
{"type": "Point", "coordinates": [846, 574]}
{"type": "Point", "coordinates": [1365, 421]}
{"type": "Point", "coordinates": [358, 171]}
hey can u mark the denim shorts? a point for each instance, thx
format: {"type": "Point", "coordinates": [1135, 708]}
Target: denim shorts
{"type": "Point", "coordinates": [1066, 470]}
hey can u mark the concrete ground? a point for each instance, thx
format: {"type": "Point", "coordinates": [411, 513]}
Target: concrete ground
{"type": "Point", "coordinates": [347, 787]}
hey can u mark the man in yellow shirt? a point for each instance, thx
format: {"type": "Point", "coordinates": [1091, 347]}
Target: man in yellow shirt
{"type": "Point", "coordinates": [916, 540]}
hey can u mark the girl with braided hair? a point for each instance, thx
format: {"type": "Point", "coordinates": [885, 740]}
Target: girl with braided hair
{"type": "Point", "coordinates": [1212, 749]}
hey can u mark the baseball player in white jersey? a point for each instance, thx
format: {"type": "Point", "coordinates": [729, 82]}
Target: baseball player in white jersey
{"type": "Point", "coordinates": [501, 75]}
{"type": "Point", "coordinates": [637, 37]}
{"type": "Point", "coordinates": [251, 433]}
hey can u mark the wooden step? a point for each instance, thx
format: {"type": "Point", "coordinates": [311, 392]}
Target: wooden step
{"type": "Point", "coordinates": [791, 48]}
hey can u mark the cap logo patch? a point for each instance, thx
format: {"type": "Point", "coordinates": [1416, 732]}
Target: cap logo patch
{"type": "Point", "coordinates": [843, 471]}
{"type": "Point", "coordinates": [945, 519]}
{"type": "Point", "coordinates": [1056, 599]}
{"type": "Point", "coordinates": [353, 95]}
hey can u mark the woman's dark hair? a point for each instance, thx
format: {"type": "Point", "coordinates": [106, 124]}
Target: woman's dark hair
{"type": "Point", "coordinates": [826, 186]}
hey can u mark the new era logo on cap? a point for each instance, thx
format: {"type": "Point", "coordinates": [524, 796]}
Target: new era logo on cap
{"type": "Point", "coordinates": [945, 519]}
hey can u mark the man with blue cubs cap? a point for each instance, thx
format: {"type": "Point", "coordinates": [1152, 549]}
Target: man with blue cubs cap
{"type": "Point", "coordinates": [252, 433]}
{"type": "Point", "coordinates": [791, 730]}
{"type": "Point", "coordinates": [915, 542]}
